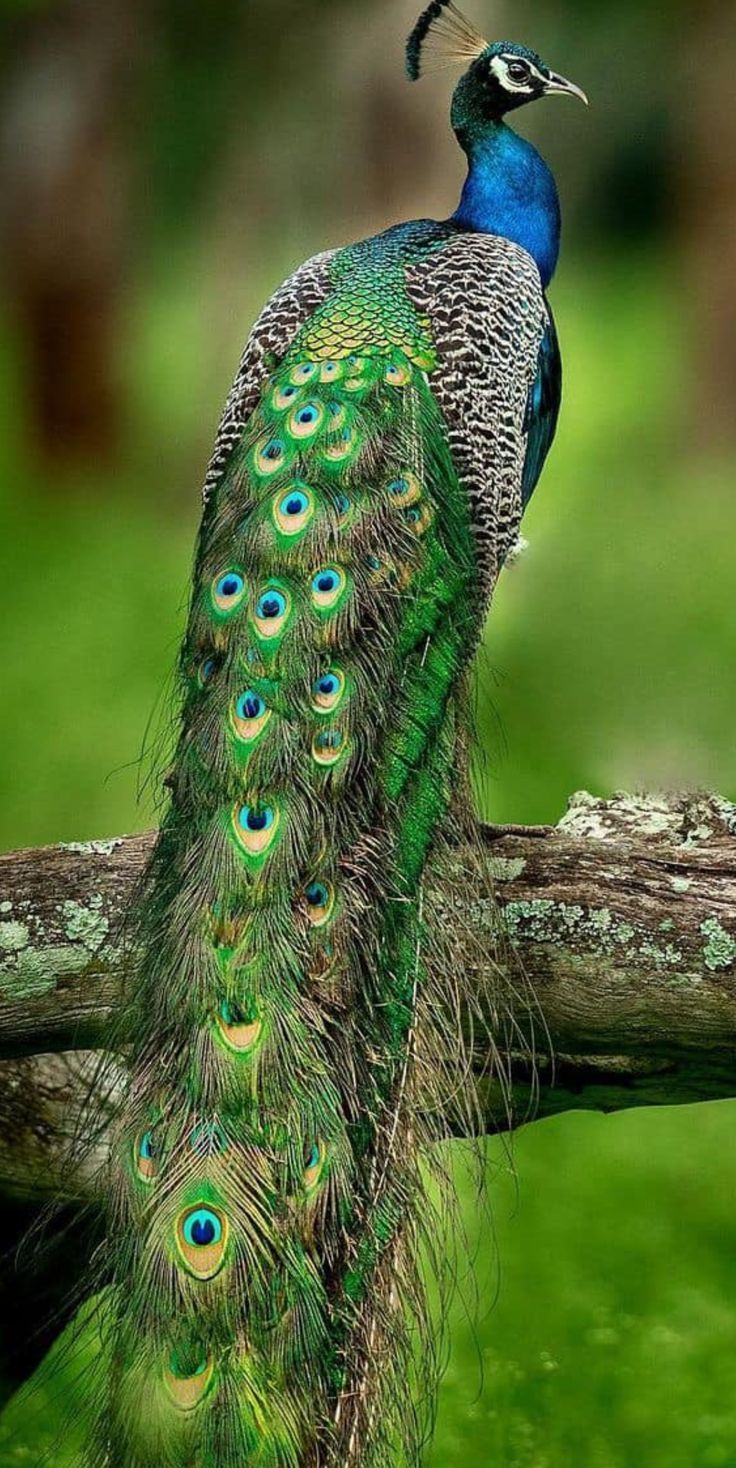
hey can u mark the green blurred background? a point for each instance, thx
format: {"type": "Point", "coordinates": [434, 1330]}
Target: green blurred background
{"type": "Point", "coordinates": [162, 167]}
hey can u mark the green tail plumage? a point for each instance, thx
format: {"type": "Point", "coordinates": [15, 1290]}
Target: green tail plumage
{"type": "Point", "coordinates": [268, 1200]}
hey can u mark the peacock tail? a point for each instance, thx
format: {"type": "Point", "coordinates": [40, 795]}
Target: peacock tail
{"type": "Point", "coordinates": [295, 1020]}
{"type": "Point", "coordinates": [268, 1191]}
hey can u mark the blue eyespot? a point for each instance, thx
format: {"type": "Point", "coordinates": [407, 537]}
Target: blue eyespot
{"type": "Point", "coordinates": [317, 894]}
{"type": "Point", "coordinates": [325, 582]}
{"type": "Point", "coordinates": [327, 685]}
{"type": "Point", "coordinates": [146, 1148]}
{"type": "Point", "coordinates": [413, 516]}
{"type": "Point", "coordinates": [312, 1157]}
{"type": "Point", "coordinates": [294, 504]}
{"type": "Point", "coordinates": [398, 487]}
{"type": "Point", "coordinates": [273, 450]}
{"type": "Point", "coordinates": [202, 1228]}
{"type": "Point", "coordinates": [232, 1014]}
{"type": "Point", "coordinates": [230, 586]}
{"type": "Point", "coordinates": [256, 820]}
{"type": "Point", "coordinates": [308, 414]}
{"type": "Point", "coordinates": [250, 705]}
{"type": "Point", "coordinates": [329, 739]}
{"type": "Point", "coordinates": [271, 606]}
{"type": "Point", "coordinates": [207, 669]}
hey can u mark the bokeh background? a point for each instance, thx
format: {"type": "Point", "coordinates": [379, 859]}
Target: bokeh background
{"type": "Point", "coordinates": [163, 165]}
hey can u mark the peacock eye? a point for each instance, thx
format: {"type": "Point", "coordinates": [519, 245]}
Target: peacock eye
{"type": "Point", "coordinates": [208, 668]}
{"type": "Point", "coordinates": [320, 900]}
{"type": "Point", "coordinates": [146, 1157]}
{"type": "Point", "coordinates": [294, 504]}
{"type": "Point", "coordinates": [202, 1235]}
{"type": "Point", "coordinates": [271, 606]}
{"type": "Point", "coordinates": [328, 586]}
{"type": "Point", "coordinates": [307, 420]}
{"type": "Point", "coordinates": [228, 591]}
{"type": "Point", "coordinates": [256, 820]}
{"type": "Point", "coordinates": [314, 1160]}
{"type": "Point", "coordinates": [202, 1228]}
{"type": "Point", "coordinates": [518, 71]}
{"type": "Point", "coordinates": [271, 611]}
{"type": "Point", "coordinates": [250, 706]}
{"type": "Point", "coordinates": [256, 828]}
{"type": "Point", "coordinates": [232, 1014]}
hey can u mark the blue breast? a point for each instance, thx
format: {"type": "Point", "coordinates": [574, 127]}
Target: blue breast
{"type": "Point", "coordinates": [510, 191]}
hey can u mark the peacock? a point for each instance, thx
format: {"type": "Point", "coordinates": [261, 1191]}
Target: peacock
{"type": "Point", "coordinates": [293, 1016]}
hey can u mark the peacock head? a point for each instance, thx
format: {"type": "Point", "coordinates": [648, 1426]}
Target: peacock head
{"type": "Point", "coordinates": [502, 76]}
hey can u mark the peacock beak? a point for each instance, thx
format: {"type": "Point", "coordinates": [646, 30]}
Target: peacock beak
{"type": "Point", "coordinates": [557, 83]}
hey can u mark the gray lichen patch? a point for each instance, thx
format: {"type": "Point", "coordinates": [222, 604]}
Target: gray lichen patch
{"type": "Point", "coordinates": [681, 884]}
{"type": "Point", "coordinates": [506, 869]}
{"type": "Point", "coordinates": [727, 812]}
{"type": "Point", "coordinates": [13, 937]}
{"type": "Point", "coordinates": [636, 815]}
{"type": "Point", "coordinates": [86, 925]}
{"type": "Point", "coordinates": [719, 949]}
{"type": "Point", "coordinates": [31, 978]}
{"type": "Point", "coordinates": [92, 848]}
{"type": "Point", "coordinates": [570, 925]}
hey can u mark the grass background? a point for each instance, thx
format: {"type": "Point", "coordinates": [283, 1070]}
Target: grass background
{"type": "Point", "coordinates": [607, 665]}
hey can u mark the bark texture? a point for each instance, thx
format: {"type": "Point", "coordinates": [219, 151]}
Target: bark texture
{"type": "Point", "coordinates": [616, 931]}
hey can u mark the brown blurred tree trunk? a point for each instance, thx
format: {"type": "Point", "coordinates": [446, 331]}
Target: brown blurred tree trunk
{"type": "Point", "coordinates": [63, 210]}
{"type": "Point", "coordinates": [707, 121]}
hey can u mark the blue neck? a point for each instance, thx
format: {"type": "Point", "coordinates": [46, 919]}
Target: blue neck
{"type": "Point", "coordinates": [510, 191]}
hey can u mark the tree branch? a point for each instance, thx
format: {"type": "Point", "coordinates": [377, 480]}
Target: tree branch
{"type": "Point", "coordinates": [622, 920]}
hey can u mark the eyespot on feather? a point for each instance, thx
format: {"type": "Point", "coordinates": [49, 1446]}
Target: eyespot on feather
{"type": "Point", "coordinates": [284, 397]}
{"type": "Point", "coordinates": [338, 453]}
{"type": "Point", "coordinates": [294, 511]}
{"type": "Point", "coordinates": [331, 371]}
{"type": "Point", "coordinates": [269, 457]}
{"type": "Point", "coordinates": [344, 509]}
{"type": "Point", "coordinates": [405, 490]}
{"type": "Point", "coordinates": [305, 422]}
{"type": "Point", "coordinates": [303, 373]}
{"type": "Point", "coordinates": [256, 827]}
{"type": "Point", "coordinates": [328, 746]}
{"type": "Point", "coordinates": [228, 591]}
{"type": "Point", "coordinates": [250, 716]}
{"type": "Point", "coordinates": [380, 569]}
{"type": "Point", "coordinates": [314, 1166]}
{"type": "Point", "coordinates": [328, 587]}
{"type": "Point", "coordinates": [208, 669]}
{"type": "Point", "coordinates": [319, 898]}
{"type": "Point", "coordinates": [271, 612]}
{"type": "Point", "coordinates": [337, 417]}
{"type": "Point", "coordinates": [188, 1388]}
{"type": "Point", "coordinates": [328, 691]}
{"type": "Point", "coordinates": [146, 1161]}
{"type": "Point", "coordinates": [419, 518]}
{"type": "Point", "coordinates": [201, 1238]}
{"type": "Point", "coordinates": [398, 374]}
{"type": "Point", "coordinates": [240, 1032]}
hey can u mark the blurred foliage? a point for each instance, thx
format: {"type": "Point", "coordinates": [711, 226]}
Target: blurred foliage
{"type": "Point", "coordinates": [255, 135]}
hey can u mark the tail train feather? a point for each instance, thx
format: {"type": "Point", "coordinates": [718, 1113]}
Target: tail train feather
{"type": "Point", "coordinates": [289, 1060]}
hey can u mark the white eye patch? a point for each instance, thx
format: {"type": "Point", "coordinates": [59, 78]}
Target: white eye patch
{"type": "Point", "coordinates": [500, 68]}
